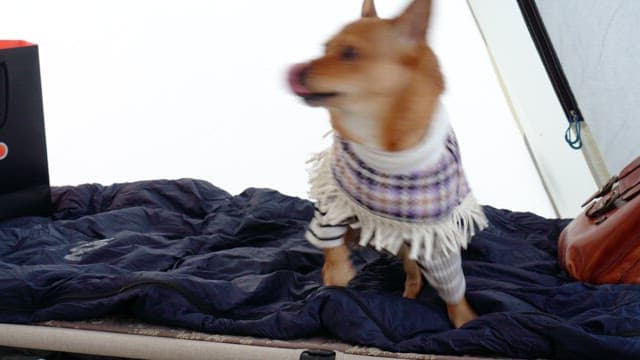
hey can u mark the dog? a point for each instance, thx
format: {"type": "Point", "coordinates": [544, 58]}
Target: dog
{"type": "Point", "coordinates": [392, 177]}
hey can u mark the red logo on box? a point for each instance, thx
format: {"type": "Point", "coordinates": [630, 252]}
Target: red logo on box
{"type": "Point", "coordinates": [4, 150]}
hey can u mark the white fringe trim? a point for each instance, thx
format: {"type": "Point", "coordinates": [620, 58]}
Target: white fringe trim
{"type": "Point", "coordinates": [427, 239]}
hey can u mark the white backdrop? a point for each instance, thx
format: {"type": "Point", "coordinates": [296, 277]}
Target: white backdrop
{"type": "Point", "coordinates": [168, 89]}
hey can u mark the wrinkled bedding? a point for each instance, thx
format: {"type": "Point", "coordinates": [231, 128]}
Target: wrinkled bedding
{"type": "Point", "coordinates": [187, 254]}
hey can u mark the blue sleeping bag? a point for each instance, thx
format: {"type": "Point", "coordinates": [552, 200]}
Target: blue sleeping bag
{"type": "Point", "coordinates": [188, 254]}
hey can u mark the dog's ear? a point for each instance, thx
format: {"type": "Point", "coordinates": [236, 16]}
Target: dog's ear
{"type": "Point", "coordinates": [369, 9]}
{"type": "Point", "coordinates": [413, 22]}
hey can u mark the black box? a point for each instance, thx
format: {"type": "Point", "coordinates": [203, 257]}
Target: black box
{"type": "Point", "coordinates": [24, 172]}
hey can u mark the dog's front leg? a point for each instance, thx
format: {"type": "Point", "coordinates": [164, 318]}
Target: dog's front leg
{"type": "Point", "coordinates": [413, 282]}
{"type": "Point", "coordinates": [337, 269]}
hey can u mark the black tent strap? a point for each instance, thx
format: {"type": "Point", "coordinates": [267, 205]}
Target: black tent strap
{"type": "Point", "coordinates": [554, 71]}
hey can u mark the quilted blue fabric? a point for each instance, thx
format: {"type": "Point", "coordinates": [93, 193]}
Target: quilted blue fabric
{"type": "Point", "coordinates": [186, 253]}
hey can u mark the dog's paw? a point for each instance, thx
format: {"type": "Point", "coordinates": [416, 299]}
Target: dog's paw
{"type": "Point", "coordinates": [337, 274]}
{"type": "Point", "coordinates": [412, 288]}
{"type": "Point", "coordinates": [461, 313]}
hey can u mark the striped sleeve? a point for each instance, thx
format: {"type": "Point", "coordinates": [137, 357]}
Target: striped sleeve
{"type": "Point", "coordinates": [323, 234]}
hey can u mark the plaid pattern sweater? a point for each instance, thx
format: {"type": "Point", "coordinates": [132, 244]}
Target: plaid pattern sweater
{"type": "Point", "coordinates": [419, 197]}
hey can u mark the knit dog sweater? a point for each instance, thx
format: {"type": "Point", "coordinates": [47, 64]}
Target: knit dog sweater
{"type": "Point", "coordinates": [419, 197]}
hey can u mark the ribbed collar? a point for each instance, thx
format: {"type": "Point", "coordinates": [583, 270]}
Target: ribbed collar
{"type": "Point", "coordinates": [422, 156]}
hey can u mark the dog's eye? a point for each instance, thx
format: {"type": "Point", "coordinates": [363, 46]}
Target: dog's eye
{"type": "Point", "coordinates": [349, 53]}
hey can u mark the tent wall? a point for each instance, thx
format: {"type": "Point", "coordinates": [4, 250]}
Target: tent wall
{"type": "Point", "coordinates": [564, 171]}
{"type": "Point", "coordinates": [595, 42]}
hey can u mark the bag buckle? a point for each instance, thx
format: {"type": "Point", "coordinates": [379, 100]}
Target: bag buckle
{"type": "Point", "coordinates": [602, 207]}
{"type": "Point", "coordinates": [604, 190]}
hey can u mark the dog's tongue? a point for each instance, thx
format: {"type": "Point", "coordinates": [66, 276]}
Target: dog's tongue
{"type": "Point", "coordinates": [295, 79]}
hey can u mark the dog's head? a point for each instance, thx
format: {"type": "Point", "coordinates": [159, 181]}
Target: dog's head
{"type": "Point", "coordinates": [369, 66]}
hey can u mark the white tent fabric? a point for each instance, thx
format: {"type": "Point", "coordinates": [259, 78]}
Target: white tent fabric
{"type": "Point", "coordinates": [565, 173]}
{"type": "Point", "coordinates": [596, 43]}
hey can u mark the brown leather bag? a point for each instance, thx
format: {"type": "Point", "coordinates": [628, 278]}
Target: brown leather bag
{"type": "Point", "coordinates": [602, 245]}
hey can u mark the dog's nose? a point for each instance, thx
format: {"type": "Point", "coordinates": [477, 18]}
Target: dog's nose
{"type": "Point", "coordinates": [297, 78]}
{"type": "Point", "coordinates": [304, 73]}
{"type": "Point", "coordinates": [300, 72]}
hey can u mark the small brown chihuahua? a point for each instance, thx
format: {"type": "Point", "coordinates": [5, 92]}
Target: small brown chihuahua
{"type": "Point", "coordinates": [393, 176]}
